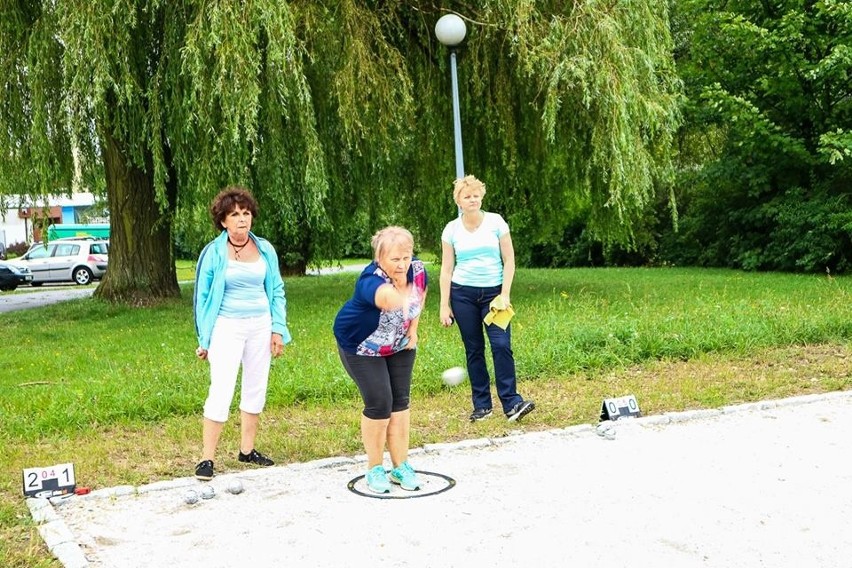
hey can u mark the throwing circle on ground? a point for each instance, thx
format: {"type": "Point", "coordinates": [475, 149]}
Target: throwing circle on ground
{"type": "Point", "coordinates": [432, 484]}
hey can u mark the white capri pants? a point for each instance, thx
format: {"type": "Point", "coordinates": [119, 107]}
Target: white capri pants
{"type": "Point", "coordinates": [235, 341]}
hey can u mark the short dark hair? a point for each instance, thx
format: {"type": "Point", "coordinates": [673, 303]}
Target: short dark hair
{"type": "Point", "coordinates": [227, 200]}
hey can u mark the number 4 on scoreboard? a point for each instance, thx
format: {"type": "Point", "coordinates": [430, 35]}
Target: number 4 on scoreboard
{"type": "Point", "coordinates": [49, 481]}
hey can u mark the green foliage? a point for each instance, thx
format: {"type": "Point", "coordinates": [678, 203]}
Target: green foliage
{"type": "Point", "coordinates": [99, 365]}
{"type": "Point", "coordinates": [609, 97]}
{"type": "Point", "coordinates": [578, 247]}
{"type": "Point", "coordinates": [835, 147]}
{"type": "Point", "coordinates": [765, 162]}
{"type": "Point", "coordinates": [337, 113]}
{"type": "Point", "coordinates": [801, 231]}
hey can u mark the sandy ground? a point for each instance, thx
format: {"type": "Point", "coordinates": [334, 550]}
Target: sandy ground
{"type": "Point", "coordinates": [766, 484]}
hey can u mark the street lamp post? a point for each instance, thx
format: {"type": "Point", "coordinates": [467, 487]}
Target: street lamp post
{"type": "Point", "coordinates": [450, 31]}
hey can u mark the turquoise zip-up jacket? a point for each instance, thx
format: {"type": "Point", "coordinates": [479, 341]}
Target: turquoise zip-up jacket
{"type": "Point", "coordinates": [210, 287]}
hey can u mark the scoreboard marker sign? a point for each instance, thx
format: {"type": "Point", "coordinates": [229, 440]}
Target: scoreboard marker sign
{"type": "Point", "coordinates": [621, 407]}
{"type": "Point", "coordinates": [49, 481]}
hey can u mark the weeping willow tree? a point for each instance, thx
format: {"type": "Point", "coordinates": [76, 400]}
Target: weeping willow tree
{"type": "Point", "coordinates": [335, 113]}
{"type": "Point", "coordinates": [165, 102]}
{"type": "Point", "coordinates": [569, 109]}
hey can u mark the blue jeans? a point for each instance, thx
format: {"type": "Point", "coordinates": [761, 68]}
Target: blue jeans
{"type": "Point", "coordinates": [470, 306]}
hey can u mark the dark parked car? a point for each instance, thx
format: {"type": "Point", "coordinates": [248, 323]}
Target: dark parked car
{"type": "Point", "coordinates": [12, 276]}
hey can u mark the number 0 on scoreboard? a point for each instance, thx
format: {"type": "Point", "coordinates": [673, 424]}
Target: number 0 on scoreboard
{"type": "Point", "coordinates": [615, 408]}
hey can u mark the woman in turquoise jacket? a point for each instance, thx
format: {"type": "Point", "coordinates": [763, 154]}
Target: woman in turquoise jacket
{"type": "Point", "coordinates": [240, 320]}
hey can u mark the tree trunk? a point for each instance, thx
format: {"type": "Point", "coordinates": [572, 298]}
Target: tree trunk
{"type": "Point", "coordinates": [290, 264]}
{"type": "Point", "coordinates": [141, 256]}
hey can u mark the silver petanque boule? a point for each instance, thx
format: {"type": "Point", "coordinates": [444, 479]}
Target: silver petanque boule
{"type": "Point", "coordinates": [606, 430]}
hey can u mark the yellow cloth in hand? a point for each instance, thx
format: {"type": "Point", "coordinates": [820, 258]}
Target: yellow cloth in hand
{"type": "Point", "coordinates": [499, 313]}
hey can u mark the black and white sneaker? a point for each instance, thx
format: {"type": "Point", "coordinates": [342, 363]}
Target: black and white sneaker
{"type": "Point", "coordinates": [520, 410]}
{"type": "Point", "coordinates": [480, 414]}
{"type": "Point", "coordinates": [256, 458]}
{"type": "Point", "coordinates": [204, 470]}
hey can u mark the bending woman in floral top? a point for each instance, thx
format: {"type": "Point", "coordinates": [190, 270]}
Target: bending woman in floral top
{"type": "Point", "coordinates": [376, 333]}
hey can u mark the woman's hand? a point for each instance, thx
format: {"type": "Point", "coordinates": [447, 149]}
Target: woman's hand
{"type": "Point", "coordinates": [412, 340]}
{"type": "Point", "coordinates": [446, 315]}
{"type": "Point", "coordinates": [201, 353]}
{"type": "Point", "coordinates": [277, 344]}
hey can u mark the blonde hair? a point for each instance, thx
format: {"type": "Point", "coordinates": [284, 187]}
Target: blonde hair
{"type": "Point", "coordinates": [386, 238]}
{"type": "Point", "coordinates": [467, 182]}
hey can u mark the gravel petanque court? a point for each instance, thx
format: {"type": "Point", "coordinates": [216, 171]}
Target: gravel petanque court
{"type": "Point", "coordinates": [764, 484]}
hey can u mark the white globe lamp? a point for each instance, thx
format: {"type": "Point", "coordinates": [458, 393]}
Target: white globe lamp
{"type": "Point", "coordinates": [450, 30]}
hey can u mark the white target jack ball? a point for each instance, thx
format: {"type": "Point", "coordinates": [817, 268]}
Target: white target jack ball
{"type": "Point", "coordinates": [208, 492]}
{"type": "Point", "coordinates": [191, 497]}
{"type": "Point", "coordinates": [235, 487]}
{"type": "Point", "coordinates": [453, 376]}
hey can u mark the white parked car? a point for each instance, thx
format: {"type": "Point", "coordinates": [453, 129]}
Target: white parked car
{"type": "Point", "coordinates": [66, 260]}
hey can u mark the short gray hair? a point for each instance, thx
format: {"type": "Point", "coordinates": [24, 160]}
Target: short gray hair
{"type": "Point", "coordinates": [388, 237]}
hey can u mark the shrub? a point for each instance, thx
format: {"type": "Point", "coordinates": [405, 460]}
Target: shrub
{"type": "Point", "coordinates": [16, 249]}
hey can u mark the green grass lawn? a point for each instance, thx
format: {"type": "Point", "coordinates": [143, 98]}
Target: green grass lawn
{"type": "Point", "coordinates": [118, 391]}
{"type": "Point", "coordinates": [185, 270]}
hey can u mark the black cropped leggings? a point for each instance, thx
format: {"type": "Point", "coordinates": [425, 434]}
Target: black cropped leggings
{"type": "Point", "coordinates": [384, 382]}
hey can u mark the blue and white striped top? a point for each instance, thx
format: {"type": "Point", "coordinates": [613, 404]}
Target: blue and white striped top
{"type": "Point", "coordinates": [478, 259]}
